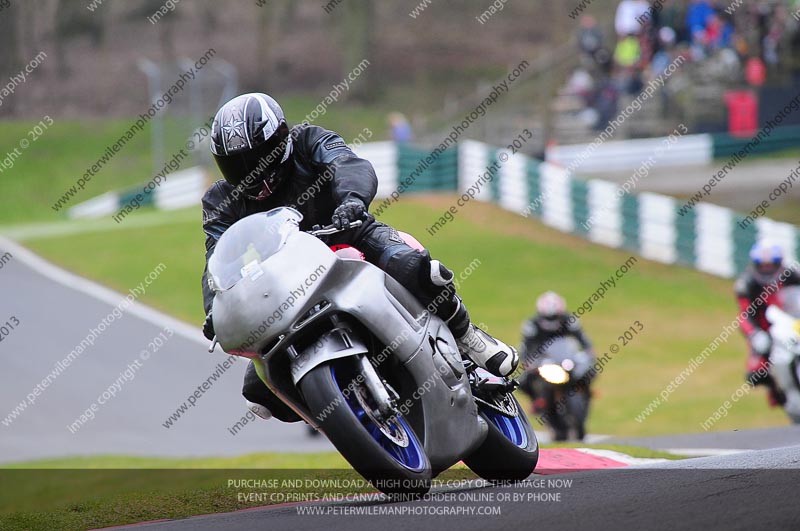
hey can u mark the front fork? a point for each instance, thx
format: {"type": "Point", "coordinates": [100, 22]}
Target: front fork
{"type": "Point", "coordinates": [383, 400]}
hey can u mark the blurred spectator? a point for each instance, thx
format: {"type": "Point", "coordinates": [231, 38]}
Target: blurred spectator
{"type": "Point", "coordinates": [712, 36]}
{"type": "Point", "coordinates": [628, 12]}
{"type": "Point", "coordinates": [728, 31]}
{"type": "Point", "coordinates": [399, 128]}
{"type": "Point", "coordinates": [605, 104]}
{"type": "Point", "coordinates": [628, 52]}
{"type": "Point", "coordinates": [729, 42]}
{"type": "Point", "coordinates": [673, 15]}
{"type": "Point", "coordinates": [665, 54]}
{"type": "Point", "coordinates": [627, 58]}
{"type": "Point", "coordinates": [591, 41]}
{"type": "Point", "coordinates": [581, 84]}
{"type": "Point", "coordinates": [771, 44]}
{"type": "Point", "coordinates": [697, 18]}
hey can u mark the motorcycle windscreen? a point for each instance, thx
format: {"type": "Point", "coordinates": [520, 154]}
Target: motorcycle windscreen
{"type": "Point", "coordinates": [567, 353]}
{"type": "Point", "coordinates": [247, 243]}
{"type": "Point", "coordinates": [562, 348]}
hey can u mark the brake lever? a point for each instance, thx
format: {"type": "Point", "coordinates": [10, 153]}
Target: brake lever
{"type": "Point", "coordinates": [330, 229]}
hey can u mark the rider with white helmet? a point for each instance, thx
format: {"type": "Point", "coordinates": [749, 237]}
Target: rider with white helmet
{"type": "Point", "coordinates": [762, 280]}
{"type": "Point", "coordinates": [551, 320]}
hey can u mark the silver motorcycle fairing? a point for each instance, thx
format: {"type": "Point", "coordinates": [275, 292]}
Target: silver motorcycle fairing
{"type": "Point", "coordinates": [338, 343]}
{"type": "Point", "coordinates": [266, 303]}
{"type": "Point", "coordinates": [784, 358]}
{"type": "Point", "coordinates": [563, 349]}
{"type": "Point", "coordinates": [784, 370]}
{"type": "Point", "coordinates": [441, 408]}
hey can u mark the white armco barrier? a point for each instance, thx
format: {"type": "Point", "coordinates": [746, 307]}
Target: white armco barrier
{"type": "Point", "coordinates": [182, 189]}
{"type": "Point", "coordinates": [605, 213]}
{"type": "Point", "coordinates": [708, 238]}
{"type": "Point", "coordinates": [383, 156]}
{"type": "Point", "coordinates": [712, 240]}
{"type": "Point", "coordinates": [514, 183]}
{"type": "Point", "coordinates": [96, 207]}
{"type": "Point", "coordinates": [714, 243]}
{"type": "Point", "coordinates": [657, 231]}
{"type": "Point", "coordinates": [557, 196]}
{"type": "Point", "coordinates": [179, 190]}
{"type": "Point", "coordinates": [473, 161]}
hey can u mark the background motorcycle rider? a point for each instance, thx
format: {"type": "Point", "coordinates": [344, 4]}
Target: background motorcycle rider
{"type": "Point", "coordinates": [766, 268]}
{"type": "Point", "coordinates": [266, 165]}
{"type": "Point", "coordinates": [550, 321]}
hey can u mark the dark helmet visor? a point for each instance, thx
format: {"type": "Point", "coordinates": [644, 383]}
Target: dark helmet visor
{"type": "Point", "coordinates": [250, 168]}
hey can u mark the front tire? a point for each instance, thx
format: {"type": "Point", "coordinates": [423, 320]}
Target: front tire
{"type": "Point", "coordinates": [578, 409]}
{"type": "Point", "coordinates": [510, 451]}
{"type": "Point", "coordinates": [329, 392]}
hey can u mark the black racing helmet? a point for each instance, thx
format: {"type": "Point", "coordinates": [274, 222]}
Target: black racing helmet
{"type": "Point", "coordinates": [251, 144]}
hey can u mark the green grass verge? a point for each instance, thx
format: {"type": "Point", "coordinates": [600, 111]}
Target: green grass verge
{"type": "Point", "coordinates": [786, 211]}
{"type": "Point", "coordinates": [89, 499]}
{"type": "Point", "coordinates": [90, 492]}
{"type": "Point", "coordinates": [56, 160]}
{"type": "Point", "coordinates": [682, 310]}
{"type": "Point", "coordinates": [320, 460]}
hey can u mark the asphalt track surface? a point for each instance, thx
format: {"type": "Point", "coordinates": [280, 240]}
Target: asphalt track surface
{"type": "Point", "coordinates": [53, 319]}
{"type": "Point", "coordinates": [56, 311]}
{"type": "Point", "coordinates": [743, 188]}
{"type": "Point", "coordinates": [760, 439]}
{"type": "Point", "coordinates": [749, 491]}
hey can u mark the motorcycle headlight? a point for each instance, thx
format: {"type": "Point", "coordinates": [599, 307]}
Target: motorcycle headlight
{"type": "Point", "coordinates": [554, 374]}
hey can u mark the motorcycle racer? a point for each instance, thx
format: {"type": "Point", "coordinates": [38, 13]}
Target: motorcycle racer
{"type": "Point", "coordinates": [266, 164]}
{"type": "Point", "coordinates": [551, 320]}
{"type": "Point", "coordinates": [762, 279]}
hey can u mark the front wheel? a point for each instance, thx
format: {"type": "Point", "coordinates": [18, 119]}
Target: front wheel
{"type": "Point", "coordinates": [386, 452]}
{"type": "Point", "coordinates": [510, 451]}
{"type": "Point", "coordinates": [578, 408]}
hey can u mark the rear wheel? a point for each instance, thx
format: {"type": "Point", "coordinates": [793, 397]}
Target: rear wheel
{"type": "Point", "coordinates": [386, 451]}
{"type": "Point", "coordinates": [510, 451]}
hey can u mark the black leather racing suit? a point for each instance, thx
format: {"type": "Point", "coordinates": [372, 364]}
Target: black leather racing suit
{"type": "Point", "coordinates": [538, 333]}
{"type": "Point", "coordinates": [323, 173]}
{"type": "Point", "coordinates": [747, 289]}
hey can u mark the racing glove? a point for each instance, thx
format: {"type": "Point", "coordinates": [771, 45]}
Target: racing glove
{"type": "Point", "coordinates": [349, 211]}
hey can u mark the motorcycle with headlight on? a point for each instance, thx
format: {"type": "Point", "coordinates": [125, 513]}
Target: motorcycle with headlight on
{"type": "Point", "coordinates": [558, 382]}
{"type": "Point", "coordinates": [356, 356]}
{"type": "Point", "coordinates": [784, 357]}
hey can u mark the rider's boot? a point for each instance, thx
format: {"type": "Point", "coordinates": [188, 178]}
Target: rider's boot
{"type": "Point", "coordinates": [262, 401]}
{"type": "Point", "coordinates": [482, 349]}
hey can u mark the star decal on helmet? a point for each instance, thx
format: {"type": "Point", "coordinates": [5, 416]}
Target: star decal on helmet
{"type": "Point", "coordinates": [234, 127]}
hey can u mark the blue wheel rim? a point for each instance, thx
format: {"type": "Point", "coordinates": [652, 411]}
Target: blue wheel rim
{"type": "Point", "coordinates": [410, 457]}
{"type": "Point", "coordinates": [512, 429]}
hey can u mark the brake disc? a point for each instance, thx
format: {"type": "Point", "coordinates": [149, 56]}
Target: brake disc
{"type": "Point", "coordinates": [502, 404]}
{"type": "Point", "coordinates": [391, 428]}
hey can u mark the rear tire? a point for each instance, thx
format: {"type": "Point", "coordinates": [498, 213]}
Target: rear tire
{"type": "Point", "coordinates": [391, 468]}
{"type": "Point", "coordinates": [510, 451]}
